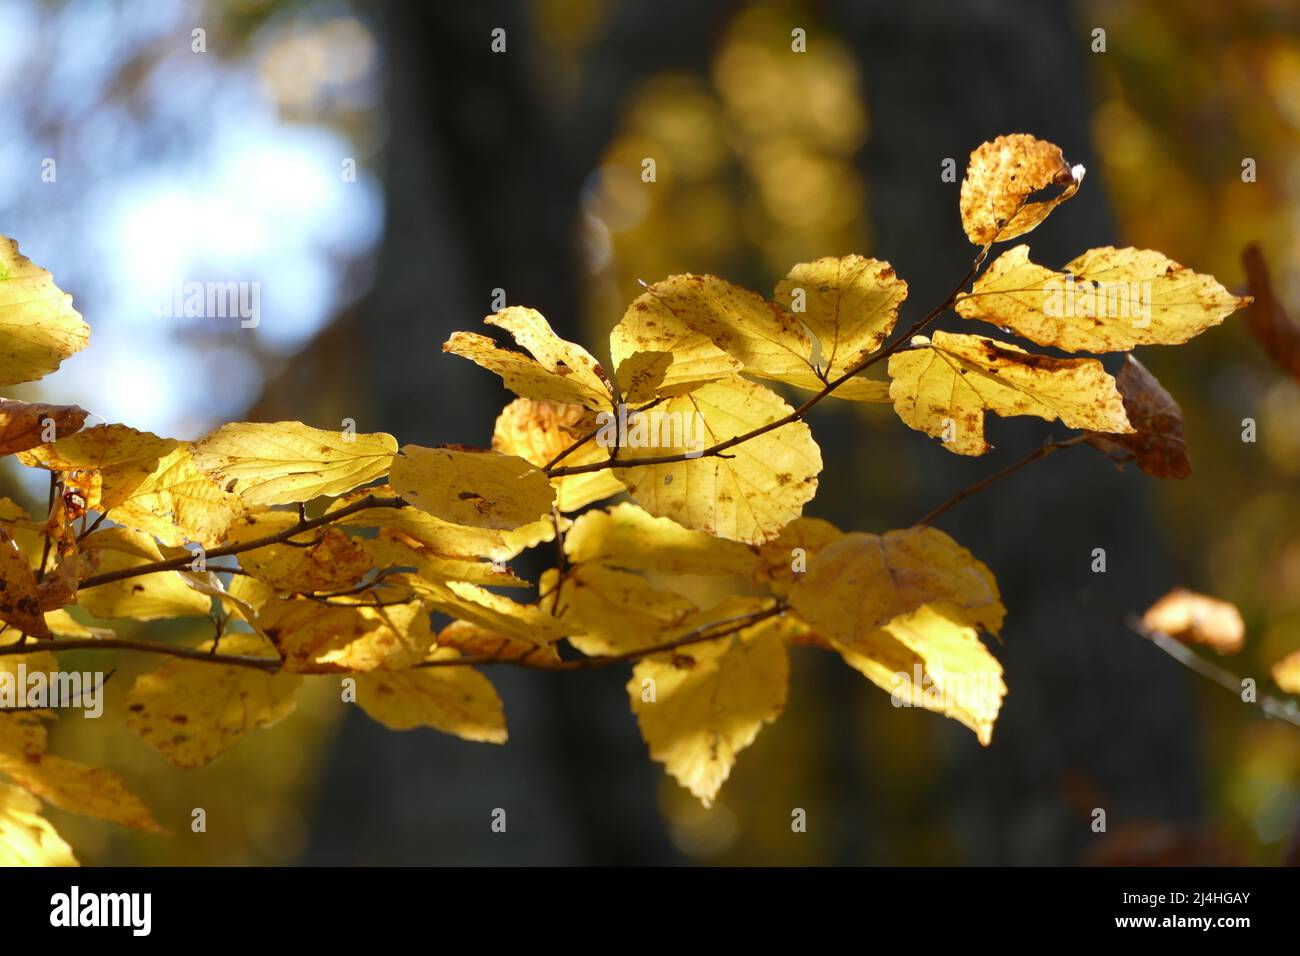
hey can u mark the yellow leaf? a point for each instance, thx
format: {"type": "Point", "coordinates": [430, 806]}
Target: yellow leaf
{"type": "Point", "coordinates": [1197, 619]}
{"type": "Point", "coordinates": [393, 549]}
{"type": "Point", "coordinates": [849, 303]}
{"type": "Point", "coordinates": [472, 487]}
{"type": "Point", "coordinates": [625, 536]}
{"type": "Point", "coordinates": [860, 582]}
{"type": "Point", "coordinates": [768, 341]}
{"type": "Point", "coordinates": [116, 455]}
{"type": "Point", "coordinates": [193, 712]}
{"type": "Point", "coordinates": [176, 503]}
{"type": "Point", "coordinates": [25, 530]}
{"type": "Point", "coordinates": [539, 431]}
{"type": "Point", "coordinates": [558, 371]}
{"type": "Point", "coordinates": [1106, 300]}
{"type": "Point", "coordinates": [91, 791]}
{"type": "Point", "coordinates": [38, 325]}
{"type": "Point", "coordinates": [1000, 178]}
{"type": "Point", "coordinates": [650, 332]}
{"type": "Point", "coordinates": [148, 597]}
{"type": "Point", "coordinates": [26, 837]}
{"type": "Point", "coordinates": [320, 560]}
{"type": "Point", "coordinates": [698, 710]}
{"type": "Point", "coordinates": [784, 559]}
{"type": "Point", "coordinates": [1286, 673]}
{"type": "Point", "coordinates": [614, 612]}
{"type": "Point", "coordinates": [282, 462]}
{"type": "Point", "coordinates": [443, 537]}
{"type": "Point", "coordinates": [478, 642]}
{"type": "Point", "coordinates": [455, 700]}
{"type": "Point", "coordinates": [20, 602]}
{"type": "Point", "coordinates": [63, 624]}
{"type": "Point", "coordinates": [926, 659]}
{"type": "Point", "coordinates": [944, 387]}
{"type": "Point", "coordinates": [748, 496]}
{"type": "Point", "coordinates": [23, 425]}
{"type": "Point", "coordinates": [316, 638]}
{"type": "Point", "coordinates": [468, 602]}
{"type": "Point", "coordinates": [22, 733]}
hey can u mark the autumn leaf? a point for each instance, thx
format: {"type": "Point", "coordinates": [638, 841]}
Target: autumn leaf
{"type": "Point", "coordinates": [1197, 619]}
{"type": "Point", "coordinates": [316, 638]}
{"type": "Point", "coordinates": [26, 837]}
{"type": "Point", "coordinates": [784, 559]}
{"type": "Point", "coordinates": [1157, 443]}
{"type": "Point", "coordinates": [393, 549]}
{"type": "Point", "coordinates": [38, 325]}
{"type": "Point", "coordinates": [1002, 176]}
{"type": "Point", "coordinates": [455, 700]}
{"type": "Point", "coordinates": [944, 387]}
{"type": "Point", "coordinates": [768, 341]}
{"type": "Point", "coordinates": [193, 712]}
{"type": "Point", "coordinates": [860, 582]}
{"type": "Point", "coordinates": [656, 353]}
{"type": "Point", "coordinates": [92, 791]}
{"type": "Point", "coordinates": [321, 560]}
{"type": "Point", "coordinates": [147, 597]}
{"type": "Point", "coordinates": [626, 536]}
{"type": "Point", "coordinates": [116, 455]}
{"type": "Point", "coordinates": [540, 432]}
{"type": "Point", "coordinates": [557, 370]}
{"type": "Point", "coordinates": [176, 502]}
{"type": "Point", "coordinates": [850, 304]}
{"type": "Point", "coordinates": [477, 605]}
{"type": "Point", "coordinates": [747, 496]}
{"type": "Point", "coordinates": [20, 602]}
{"type": "Point", "coordinates": [699, 709]}
{"type": "Point", "coordinates": [479, 642]}
{"type": "Point", "coordinates": [442, 537]}
{"type": "Point", "coordinates": [1105, 300]}
{"type": "Point", "coordinates": [472, 487]}
{"type": "Point", "coordinates": [1267, 319]}
{"type": "Point", "coordinates": [23, 425]}
{"type": "Point", "coordinates": [927, 659]}
{"type": "Point", "coordinates": [284, 462]}
{"type": "Point", "coordinates": [1286, 673]}
{"type": "Point", "coordinates": [613, 611]}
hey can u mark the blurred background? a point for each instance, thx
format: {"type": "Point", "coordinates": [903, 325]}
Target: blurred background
{"type": "Point", "coordinates": [381, 172]}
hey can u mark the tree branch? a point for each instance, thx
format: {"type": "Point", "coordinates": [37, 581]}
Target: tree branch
{"type": "Point", "coordinates": [1047, 448]}
{"type": "Point", "coordinates": [799, 413]}
{"type": "Point", "coordinates": [303, 526]}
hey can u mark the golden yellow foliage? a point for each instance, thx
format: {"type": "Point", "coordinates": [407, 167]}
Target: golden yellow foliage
{"type": "Point", "coordinates": [282, 462]}
{"type": "Point", "coordinates": [38, 325]}
{"type": "Point", "coordinates": [485, 489]}
{"type": "Point", "coordinates": [748, 495]}
{"type": "Point", "coordinates": [944, 386]}
{"type": "Point", "coordinates": [1106, 300]}
{"type": "Point", "coordinates": [193, 712]}
{"type": "Point", "coordinates": [1000, 178]}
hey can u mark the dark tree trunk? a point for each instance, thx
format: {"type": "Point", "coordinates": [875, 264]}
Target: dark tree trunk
{"type": "Point", "coordinates": [1095, 718]}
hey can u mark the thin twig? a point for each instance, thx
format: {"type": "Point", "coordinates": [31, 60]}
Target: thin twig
{"type": "Point", "coordinates": [698, 635]}
{"type": "Point", "coordinates": [301, 527]}
{"type": "Point", "coordinates": [144, 647]}
{"type": "Point", "coordinates": [799, 413]}
{"type": "Point", "coordinates": [1047, 448]}
{"type": "Point", "coordinates": [1287, 710]}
